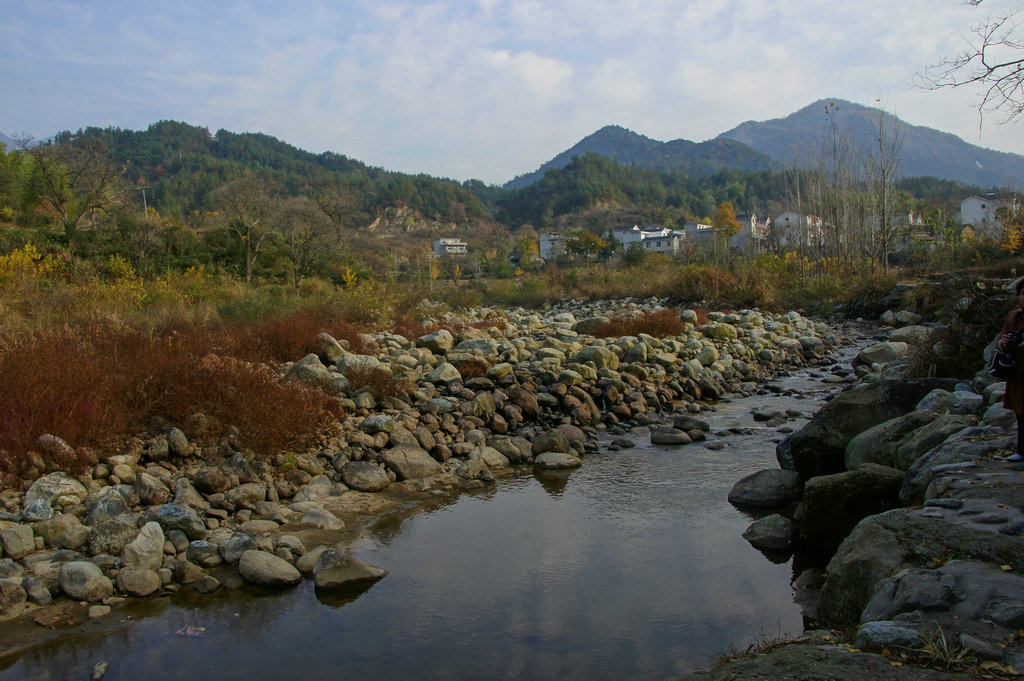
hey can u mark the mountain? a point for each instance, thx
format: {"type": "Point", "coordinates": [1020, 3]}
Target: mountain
{"type": "Point", "coordinates": [5, 140]}
{"type": "Point", "coordinates": [630, 148]}
{"type": "Point", "coordinates": [925, 152]}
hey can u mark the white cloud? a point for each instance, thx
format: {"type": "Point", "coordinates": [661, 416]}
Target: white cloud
{"type": "Point", "coordinates": [489, 88]}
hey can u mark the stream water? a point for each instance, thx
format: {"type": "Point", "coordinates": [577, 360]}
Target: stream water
{"type": "Point", "coordinates": [631, 567]}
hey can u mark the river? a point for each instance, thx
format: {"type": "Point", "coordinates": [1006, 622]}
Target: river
{"type": "Point", "coordinates": [631, 567]}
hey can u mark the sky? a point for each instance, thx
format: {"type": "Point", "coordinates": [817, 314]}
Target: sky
{"type": "Point", "coordinates": [484, 89]}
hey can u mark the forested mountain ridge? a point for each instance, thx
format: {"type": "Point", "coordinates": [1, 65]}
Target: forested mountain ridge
{"type": "Point", "coordinates": [925, 151]}
{"type": "Point", "coordinates": [181, 163]}
{"type": "Point", "coordinates": [631, 148]}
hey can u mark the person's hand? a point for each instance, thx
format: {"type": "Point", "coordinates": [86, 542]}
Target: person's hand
{"type": "Point", "coordinates": [1003, 341]}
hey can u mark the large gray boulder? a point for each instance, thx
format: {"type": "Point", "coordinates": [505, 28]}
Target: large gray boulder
{"type": "Point", "coordinates": [883, 545]}
{"type": "Point", "coordinates": [819, 447]}
{"type": "Point", "coordinates": [557, 461]}
{"type": "Point", "coordinates": [335, 569]}
{"type": "Point", "coordinates": [364, 476]}
{"type": "Point", "coordinates": [438, 342]}
{"type": "Point", "coordinates": [110, 537]}
{"type": "Point", "coordinates": [138, 582]}
{"type": "Point", "coordinates": [182, 518]}
{"type": "Point", "coordinates": [772, 533]}
{"type": "Point", "coordinates": [265, 569]}
{"type": "Point", "coordinates": [146, 551]}
{"type": "Point", "coordinates": [834, 504]}
{"type": "Point", "coordinates": [17, 541]}
{"type": "Point", "coordinates": [955, 402]}
{"type": "Point", "coordinates": [55, 490]}
{"type": "Point", "coordinates": [309, 370]}
{"type": "Point", "coordinates": [961, 447]}
{"type": "Point", "coordinates": [881, 353]}
{"type": "Point", "coordinates": [12, 600]}
{"type": "Point", "coordinates": [84, 581]}
{"type": "Point", "coordinates": [410, 463]}
{"type": "Point", "coordinates": [968, 597]}
{"type": "Point", "coordinates": [879, 443]}
{"type": "Point", "coordinates": [917, 443]}
{"type": "Point", "coordinates": [768, 488]}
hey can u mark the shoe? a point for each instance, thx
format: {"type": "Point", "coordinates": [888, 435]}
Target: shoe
{"type": "Point", "coordinates": [1015, 458]}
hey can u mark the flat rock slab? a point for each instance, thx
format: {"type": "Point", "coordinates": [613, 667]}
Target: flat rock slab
{"type": "Point", "coordinates": [811, 662]}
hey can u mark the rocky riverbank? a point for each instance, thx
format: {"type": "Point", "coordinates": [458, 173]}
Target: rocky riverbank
{"type": "Point", "coordinates": [185, 508]}
{"type": "Point", "coordinates": [906, 480]}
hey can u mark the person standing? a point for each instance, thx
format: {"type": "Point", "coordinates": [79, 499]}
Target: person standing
{"type": "Point", "coordinates": [1010, 337]}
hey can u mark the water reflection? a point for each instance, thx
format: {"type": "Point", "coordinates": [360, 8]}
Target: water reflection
{"type": "Point", "coordinates": [632, 566]}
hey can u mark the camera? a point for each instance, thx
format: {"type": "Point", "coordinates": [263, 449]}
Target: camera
{"type": "Point", "coordinates": [1014, 338]}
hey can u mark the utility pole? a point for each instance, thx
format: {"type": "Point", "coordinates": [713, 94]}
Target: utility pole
{"type": "Point", "coordinates": [145, 208]}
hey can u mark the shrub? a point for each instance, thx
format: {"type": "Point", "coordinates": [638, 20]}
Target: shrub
{"type": "Point", "coordinates": [94, 385]}
{"type": "Point", "coordinates": [662, 323]}
{"type": "Point", "coordinates": [379, 382]}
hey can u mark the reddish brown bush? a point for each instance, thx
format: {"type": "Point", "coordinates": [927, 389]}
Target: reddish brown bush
{"type": "Point", "coordinates": [379, 382]}
{"type": "Point", "coordinates": [94, 386]}
{"type": "Point", "coordinates": [661, 323]}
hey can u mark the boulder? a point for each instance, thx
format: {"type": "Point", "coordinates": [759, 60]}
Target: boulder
{"type": "Point", "coordinates": [879, 443]}
{"type": "Point", "coordinates": [265, 569]}
{"type": "Point", "coordinates": [490, 456]}
{"type": "Point", "coordinates": [138, 582]}
{"type": "Point", "coordinates": [768, 488]}
{"type": "Point", "coordinates": [819, 447]}
{"type": "Point", "coordinates": [211, 481]}
{"type": "Point", "coordinates": [834, 504]}
{"type": "Point", "coordinates": [12, 600]}
{"type": "Point", "coordinates": [182, 518]}
{"type": "Point", "coordinates": [557, 461]}
{"type": "Point", "coordinates": [107, 507]}
{"type": "Point", "coordinates": [602, 357]}
{"type": "Point", "coordinates": [669, 435]}
{"type": "Point", "coordinates": [959, 448]}
{"type": "Point", "coordinates": [550, 441]}
{"type": "Point", "coordinates": [438, 342]}
{"type": "Point", "coordinates": [335, 569]}
{"type": "Point", "coordinates": [55, 490]}
{"type": "Point", "coordinates": [18, 541]}
{"type": "Point", "coordinates": [915, 444]}
{"type": "Point", "coordinates": [150, 490]}
{"type": "Point", "coordinates": [772, 533]}
{"type": "Point", "coordinates": [309, 370]}
{"type": "Point", "coordinates": [110, 537]}
{"type": "Point", "coordinates": [955, 402]}
{"type": "Point", "coordinates": [881, 353]}
{"type": "Point", "coordinates": [146, 551]}
{"type": "Point", "coordinates": [883, 545]}
{"type": "Point", "coordinates": [84, 581]}
{"type": "Point", "coordinates": [232, 548]}
{"type": "Point", "coordinates": [364, 476]}
{"type": "Point", "coordinates": [410, 463]}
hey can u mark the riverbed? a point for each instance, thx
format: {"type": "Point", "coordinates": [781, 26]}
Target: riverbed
{"type": "Point", "coordinates": [631, 567]}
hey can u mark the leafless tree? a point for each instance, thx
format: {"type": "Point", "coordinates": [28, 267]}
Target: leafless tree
{"type": "Point", "coordinates": [993, 59]}
{"type": "Point", "coordinates": [882, 170]}
{"type": "Point", "coordinates": [77, 180]}
{"type": "Point", "coordinates": [307, 234]}
{"type": "Point", "coordinates": [248, 204]}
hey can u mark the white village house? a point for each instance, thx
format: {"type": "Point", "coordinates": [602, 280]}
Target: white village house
{"type": "Point", "coordinates": [979, 213]}
{"type": "Point", "coordinates": [450, 247]}
{"type": "Point", "coordinates": [550, 245]}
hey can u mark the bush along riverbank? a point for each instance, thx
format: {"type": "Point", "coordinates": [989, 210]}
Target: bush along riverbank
{"type": "Point", "coordinates": [424, 416]}
{"type": "Point", "coordinates": [905, 479]}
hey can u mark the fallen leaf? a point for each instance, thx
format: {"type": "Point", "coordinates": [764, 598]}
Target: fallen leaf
{"type": "Point", "coordinates": [1006, 568]}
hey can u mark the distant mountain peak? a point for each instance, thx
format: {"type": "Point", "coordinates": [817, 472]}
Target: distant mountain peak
{"type": "Point", "coordinates": [795, 139]}
{"type": "Point", "coordinates": [632, 148]}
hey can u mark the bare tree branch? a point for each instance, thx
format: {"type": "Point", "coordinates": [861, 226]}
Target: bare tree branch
{"type": "Point", "coordinates": [992, 59]}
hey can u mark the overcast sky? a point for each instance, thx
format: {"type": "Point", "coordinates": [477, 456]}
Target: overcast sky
{"type": "Point", "coordinates": [483, 89]}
